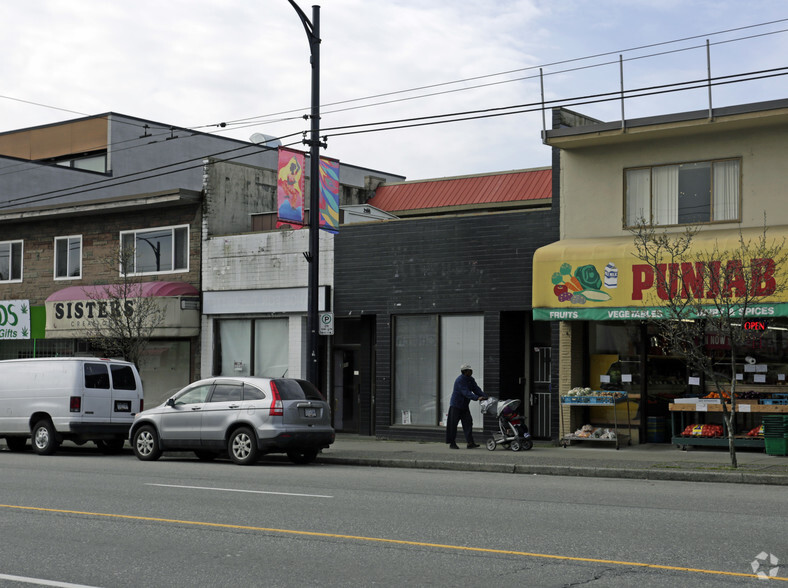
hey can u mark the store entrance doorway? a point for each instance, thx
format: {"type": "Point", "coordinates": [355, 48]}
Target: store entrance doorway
{"type": "Point", "coordinates": [346, 391]}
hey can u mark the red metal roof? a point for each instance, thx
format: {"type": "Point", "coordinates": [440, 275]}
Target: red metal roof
{"type": "Point", "coordinates": [492, 189]}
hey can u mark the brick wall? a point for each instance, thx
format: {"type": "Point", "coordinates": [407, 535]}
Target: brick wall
{"type": "Point", "coordinates": [100, 238]}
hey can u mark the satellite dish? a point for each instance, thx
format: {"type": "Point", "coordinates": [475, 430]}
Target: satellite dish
{"type": "Point", "coordinates": [267, 140]}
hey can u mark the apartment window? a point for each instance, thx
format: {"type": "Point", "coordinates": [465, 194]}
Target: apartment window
{"type": "Point", "coordinates": [153, 251]}
{"type": "Point", "coordinates": [10, 261]}
{"type": "Point", "coordinates": [685, 193]}
{"type": "Point", "coordinates": [95, 162]}
{"type": "Point", "coordinates": [68, 257]}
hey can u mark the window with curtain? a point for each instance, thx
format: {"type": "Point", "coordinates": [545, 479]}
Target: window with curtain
{"type": "Point", "coordinates": [251, 347]}
{"type": "Point", "coordinates": [416, 370]}
{"type": "Point", "coordinates": [685, 193]}
{"type": "Point", "coordinates": [271, 341]}
{"type": "Point", "coordinates": [233, 348]}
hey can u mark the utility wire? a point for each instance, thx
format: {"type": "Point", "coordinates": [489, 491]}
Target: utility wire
{"type": "Point", "coordinates": [529, 68]}
{"type": "Point", "coordinates": [404, 124]}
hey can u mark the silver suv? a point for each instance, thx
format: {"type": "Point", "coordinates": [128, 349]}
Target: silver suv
{"type": "Point", "coordinates": [242, 417]}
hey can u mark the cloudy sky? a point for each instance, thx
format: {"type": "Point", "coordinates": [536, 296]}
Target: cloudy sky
{"type": "Point", "coordinates": [384, 64]}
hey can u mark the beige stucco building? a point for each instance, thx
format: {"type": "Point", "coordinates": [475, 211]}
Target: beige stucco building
{"type": "Point", "coordinates": [719, 171]}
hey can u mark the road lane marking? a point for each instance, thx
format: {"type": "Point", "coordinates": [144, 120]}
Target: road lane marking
{"type": "Point", "coordinates": [384, 540]}
{"type": "Point", "coordinates": [40, 582]}
{"type": "Point", "coordinates": [236, 490]}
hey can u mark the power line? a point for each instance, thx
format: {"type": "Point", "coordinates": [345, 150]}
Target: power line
{"type": "Point", "coordinates": [529, 68]}
{"type": "Point", "coordinates": [412, 122]}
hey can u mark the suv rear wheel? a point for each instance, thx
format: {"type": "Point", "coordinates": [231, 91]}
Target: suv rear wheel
{"type": "Point", "coordinates": [242, 446]}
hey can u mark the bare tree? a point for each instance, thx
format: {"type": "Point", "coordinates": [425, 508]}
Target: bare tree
{"type": "Point", "coordinates": [702, 289]}
{"type": "Point", "coordinates": [123, 320]}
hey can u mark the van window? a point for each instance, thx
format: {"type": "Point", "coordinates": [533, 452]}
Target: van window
{"type": "Point", "coordinates": [123, 377]}
{"type": "Point", "coordinates": [96, 376]}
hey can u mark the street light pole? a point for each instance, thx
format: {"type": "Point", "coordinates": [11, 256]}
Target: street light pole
{"type": "Point", "coordinates": [313, 287]}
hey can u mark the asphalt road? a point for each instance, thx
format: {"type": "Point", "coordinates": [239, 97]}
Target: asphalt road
{"type": "Point", "coordinates": [80, 518]}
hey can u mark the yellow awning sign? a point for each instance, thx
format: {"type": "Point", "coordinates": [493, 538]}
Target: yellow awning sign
{"type": "Point", "coordinates": [602, 279]}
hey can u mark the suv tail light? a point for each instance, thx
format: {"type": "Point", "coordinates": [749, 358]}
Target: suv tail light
{"type": "Point", "coordinates": [75, 404]}
{"type": "Point", "coordinates": [141, 403]}
{"type": "Point", "coordinates": [277, 408]}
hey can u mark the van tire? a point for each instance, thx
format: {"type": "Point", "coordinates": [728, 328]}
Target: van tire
{"type": "Point", "coordinates": [110, 446]}
{"type": "Point", "coordinates": [145, 444]}
{"type": "Point", "coordinates": [242, 446]}
{"type": "Point", "coordinates": [44, 440]}
{"type": "Point", "coordinates": [16, 443]}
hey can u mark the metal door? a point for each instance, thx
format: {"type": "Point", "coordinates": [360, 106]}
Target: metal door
{"type": "Point", "coordinates": [539, 397]}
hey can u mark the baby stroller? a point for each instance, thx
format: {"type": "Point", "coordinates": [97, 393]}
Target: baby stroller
{"type": "Point", "coordinates": [512, 430]}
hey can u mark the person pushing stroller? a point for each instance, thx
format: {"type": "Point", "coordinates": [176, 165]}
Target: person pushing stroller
{"type": "Point", "coordinates": [465, 390]}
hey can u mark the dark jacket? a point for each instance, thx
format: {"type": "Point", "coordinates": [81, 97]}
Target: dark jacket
{"type": "Point", "coordinates": [465, 390]}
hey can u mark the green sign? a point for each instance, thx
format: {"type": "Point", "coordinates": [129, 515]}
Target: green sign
{"type": "Point", "coordinates": [14, 319]}
{"type": "Point", "coordinates": [649, 313]}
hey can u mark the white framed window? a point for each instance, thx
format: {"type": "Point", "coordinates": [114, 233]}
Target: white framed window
{"type": "Point", "coordinates": [68, 257]}
{"type": "Point", "coordinates": [683, 193]}
{"type": "Point", "coordinates": [11, 261]}
{"type": "Point", "coordinates": [155, 251]}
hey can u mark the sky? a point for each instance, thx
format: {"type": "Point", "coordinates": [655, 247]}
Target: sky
{"type": "Point", "coordinates": [239, 67]}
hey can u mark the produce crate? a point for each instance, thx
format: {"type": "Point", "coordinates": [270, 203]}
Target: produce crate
{"type": "Point", "coordinates": [776, 446]}
{"type": "Point", "coordinates": [775, 401]}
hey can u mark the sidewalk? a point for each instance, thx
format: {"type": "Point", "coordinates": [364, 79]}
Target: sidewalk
{"type": "Point", "coordinates": [647, 462]}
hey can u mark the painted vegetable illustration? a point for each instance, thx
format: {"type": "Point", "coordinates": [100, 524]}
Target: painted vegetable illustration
{"type": "Point", "coordinates": [579, 286]}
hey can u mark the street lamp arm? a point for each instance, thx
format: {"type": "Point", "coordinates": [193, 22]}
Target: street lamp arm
{"type": "Point", "coordinates": [308, 26]}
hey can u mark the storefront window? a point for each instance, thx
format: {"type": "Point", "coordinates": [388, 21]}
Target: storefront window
{"type": "Point", "coordinates": [415, 370]}
{"type": "Point", "coordinates": [761, 364]}
{"type": "Point", "coordinates": [244, 347]}
{"type": "Point", "coordinates": [271, 357]}
{"type": "Point", "coordinates": [614, 364]}
{"type": "Point", "coordinates": [429, 350]}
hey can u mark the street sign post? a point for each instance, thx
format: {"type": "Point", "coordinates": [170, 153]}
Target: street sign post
{"type": "Point", "coordinates": [326, 323]}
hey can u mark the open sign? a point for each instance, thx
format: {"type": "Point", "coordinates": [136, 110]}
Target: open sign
{"type": "Point", "coordinates": [754, 325]}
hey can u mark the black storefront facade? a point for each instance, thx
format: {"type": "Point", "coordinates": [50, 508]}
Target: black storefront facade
{"type": "Point", "coordinates": [415, 298]}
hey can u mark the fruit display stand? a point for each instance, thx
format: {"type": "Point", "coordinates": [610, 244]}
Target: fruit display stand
{"type": "Point", "coordinates": [682, 413]}
{"type": "Point", "coordinates": [597, 399]}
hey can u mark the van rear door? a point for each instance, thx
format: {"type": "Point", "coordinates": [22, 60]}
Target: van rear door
{"type": "Point", "coordinates": [126, 393]}
{"type": "Point", "coordinates": [96, 396]}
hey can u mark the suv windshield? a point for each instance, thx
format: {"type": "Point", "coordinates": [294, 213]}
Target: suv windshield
{"type": "Point", "coordinates": [297, 390]}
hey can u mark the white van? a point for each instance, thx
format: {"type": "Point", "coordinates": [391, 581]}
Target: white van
{"type": "Point", "coordinates": [71, 398]}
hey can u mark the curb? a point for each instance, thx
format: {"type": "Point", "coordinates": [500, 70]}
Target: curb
{"type": "Point", "coordinates": [557, 470]}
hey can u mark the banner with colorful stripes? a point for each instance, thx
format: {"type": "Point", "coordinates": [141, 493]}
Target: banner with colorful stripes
{"type": "Point", "coordinates": [329, 195]}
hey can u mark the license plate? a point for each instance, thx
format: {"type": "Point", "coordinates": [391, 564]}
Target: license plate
{"type": "Point", "coordinates": [310, 412]}
{"type": "Point", "coordinates": [122, 406]}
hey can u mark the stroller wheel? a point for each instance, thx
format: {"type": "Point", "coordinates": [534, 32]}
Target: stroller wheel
{"type": "Point", "coordinates": [527, 444]}
{"type": "Point", "coordinates": [491, 444]}
{"type": "Point", "coordinates": [515, 445]}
